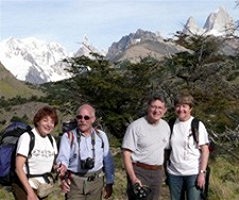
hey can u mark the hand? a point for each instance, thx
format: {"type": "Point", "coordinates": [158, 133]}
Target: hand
{"type": "Point", "coordinates": [61, 169]}
{"type": "Point", "coordinates": [65, 185]}
{"type": "Point", "coordinates": [201, 180]}
{"type": "Point", "coordinates": [136, 180]}
{"type": "Point", "coordinates": [108, 191]}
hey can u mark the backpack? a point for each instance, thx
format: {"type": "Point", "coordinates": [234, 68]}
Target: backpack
{"type": "Point", "coordinates": [195, 134]}
{"type": "Point", "coordinates": [68, 126]}
{"type": "Point", "coordinates": [8, 144]}
{"type": "Point", "coordinates": [194, 128]}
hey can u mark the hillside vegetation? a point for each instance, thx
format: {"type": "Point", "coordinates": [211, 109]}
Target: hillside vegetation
{"type": "Point", "coordinates": [11, 87]}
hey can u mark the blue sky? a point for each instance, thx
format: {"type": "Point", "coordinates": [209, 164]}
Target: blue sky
{"type": "Point", "coordinates": [103, 21]}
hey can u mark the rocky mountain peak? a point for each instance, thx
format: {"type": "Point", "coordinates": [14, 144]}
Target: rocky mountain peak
{"type": "Point", "coordinates": [191, 27]}
{"type": "Point", "coordinates": [127, 41]}
{"type": "Point", "coordinates": [87, 48]}
{"type": "Point", "coordinates": [218, 23]}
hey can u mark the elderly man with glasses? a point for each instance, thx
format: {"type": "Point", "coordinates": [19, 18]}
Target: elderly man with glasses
{"type": "Point", "coordinates": [84, 159]}
{"type": "Point", "coordinates": [143, 150]}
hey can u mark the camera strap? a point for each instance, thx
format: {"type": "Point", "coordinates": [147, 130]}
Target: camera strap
{"type": "Point", "coordinates": [92, 143]}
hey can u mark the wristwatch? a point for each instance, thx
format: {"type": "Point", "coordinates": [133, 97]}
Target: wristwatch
{"type": "Point", "coordinates": [202, 171]}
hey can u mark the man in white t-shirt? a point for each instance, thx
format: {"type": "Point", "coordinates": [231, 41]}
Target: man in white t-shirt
{"type": "Point", "coordinates": [188, 159]}
{"type": "Point", "coordinates": [143, 149]}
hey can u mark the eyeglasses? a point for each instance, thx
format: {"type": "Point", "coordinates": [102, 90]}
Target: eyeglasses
{"type": "Point", "coordinates": [156, 107]}
{"type": "Point", "coordinates": [81, 117]}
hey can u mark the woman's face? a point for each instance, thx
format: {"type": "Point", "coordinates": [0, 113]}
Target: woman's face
{"type": "Point", "coordinates": [183, 111]}
{"type": "Point", "coordinates": [45, 125]}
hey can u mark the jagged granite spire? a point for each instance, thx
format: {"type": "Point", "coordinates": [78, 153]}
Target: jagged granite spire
{"type": "Point", "coordinates": [218, 23]}
{"type": "Point", "coordinates": [87, 48]}
{"type": "Point", "coordinates": [191, 27]}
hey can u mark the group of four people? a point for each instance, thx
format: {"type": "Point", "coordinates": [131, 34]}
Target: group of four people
{"type": "Point", "coordinates": [85, 164]}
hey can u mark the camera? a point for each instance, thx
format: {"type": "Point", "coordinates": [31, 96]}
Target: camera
{"type": "Point", "coordinates": [88, 163]}
{"type": "Point", "coordinates": [141, 192]}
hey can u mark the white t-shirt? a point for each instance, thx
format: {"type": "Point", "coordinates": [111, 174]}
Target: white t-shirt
{"type": "Point", "coordinates": [185, 154]}
{"type": "Point", "coordinates": [43, 154]}
{"type": "Point", "coordinates": [146, 141]}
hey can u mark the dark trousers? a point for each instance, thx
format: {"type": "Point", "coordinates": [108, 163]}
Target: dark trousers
{"type": "Point", "coordinates": [19, 192]}
{"type": "Point", "coordinates": [150, 178]}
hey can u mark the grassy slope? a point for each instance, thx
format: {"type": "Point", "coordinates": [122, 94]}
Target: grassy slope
{"type": "Point", "coordinates": [11, 87]}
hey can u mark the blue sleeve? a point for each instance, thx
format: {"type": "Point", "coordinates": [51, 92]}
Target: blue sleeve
{"type": "Point", "coordinates": [108, 161]}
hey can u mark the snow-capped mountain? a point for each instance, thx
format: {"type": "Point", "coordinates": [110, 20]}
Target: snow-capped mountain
{"type": "Point", "coordinates": [33, 60]}
{"type": "Point", "coordinates": [37, 61]}
{"type": "Point", "coordinates": [87, 48]}
{"type": "Point", "coordinates": [218, 23]}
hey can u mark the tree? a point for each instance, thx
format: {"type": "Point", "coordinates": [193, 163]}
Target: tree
{"type": "Point", "coordinates": [207, 74]}
{"type": "Point", "coordinates": [118, 91]}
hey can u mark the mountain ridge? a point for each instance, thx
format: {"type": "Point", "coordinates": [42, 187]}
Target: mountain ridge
{"type": "Point", "coordinates": [37, 62]}
{"type": "Point", "coordinates": [33, 60]}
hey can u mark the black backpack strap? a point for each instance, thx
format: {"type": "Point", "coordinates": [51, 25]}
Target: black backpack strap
{"type": "Point", "coordinates": [31, 146]}
{"type": "Point", "coordinates": [171, 124]}
{"type": "Point", "coordinates": [32, 142]}
{"type": "Point", "coordinates": [194, 128]}
{"type": "Point", "coordinates": [51, 139]}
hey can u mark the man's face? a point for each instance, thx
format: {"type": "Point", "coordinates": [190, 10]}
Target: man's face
{"type": "Point", "coordinates": [156, 111]}
{"type": "Point", "coordinates": [85, 119]}
{"type": "Point", "coordinates": [183, 111]}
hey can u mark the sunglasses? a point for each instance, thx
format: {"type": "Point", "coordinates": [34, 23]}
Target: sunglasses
{"type": "Point", "coordinates": [81, 117]}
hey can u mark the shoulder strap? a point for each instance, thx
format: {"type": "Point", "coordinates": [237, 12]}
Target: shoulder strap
{"type": "Point", "coordinates": [171, 124]}
{"type": "Point", "coordinates": [71, 137]}
{"type": "Point", "coordinates": [51, 139]}
{"type": "Point", "coordinates": [32, 142]}
{"type": "Point", "coordinates": [194, 128]}
{"type": "Point", "coordinates": [98, 133]}
{"type": "Point", "coordinates": [31, 146]}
